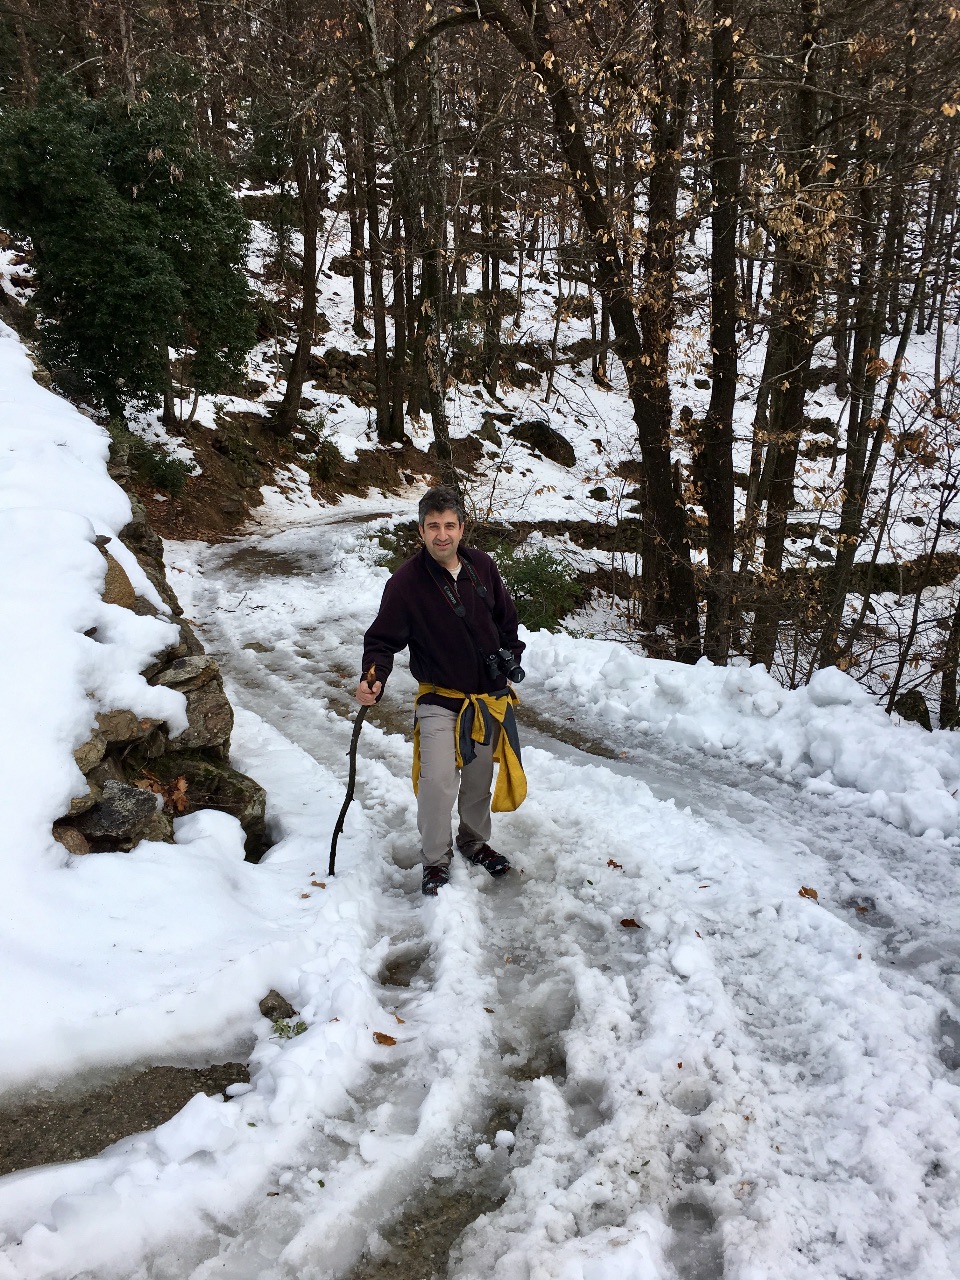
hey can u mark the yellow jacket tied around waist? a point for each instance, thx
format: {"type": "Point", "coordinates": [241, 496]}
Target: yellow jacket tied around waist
{"type": "Point", "coordinates": [477, 719]}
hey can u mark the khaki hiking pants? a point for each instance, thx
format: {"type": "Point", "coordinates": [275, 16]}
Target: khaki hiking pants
{"type": "Point", "coordinates": [440, 786]}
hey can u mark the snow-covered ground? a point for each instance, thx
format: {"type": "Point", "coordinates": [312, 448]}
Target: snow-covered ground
{"type": "Point", "coordinates": [711, 1027]}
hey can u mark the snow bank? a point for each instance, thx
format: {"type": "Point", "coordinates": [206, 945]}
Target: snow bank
{"type": "Point", "coordinates": [831, 736]}
{"type": "Point", "coordinates": [55, 498]}
{"type": "Point", "coordinates": [112, 958]}
{"type": "Point", "coordinates": [102, 1216]}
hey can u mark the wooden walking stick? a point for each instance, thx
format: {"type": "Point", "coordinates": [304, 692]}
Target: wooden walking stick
{"type": "Point", "coordinates": [371, 679]}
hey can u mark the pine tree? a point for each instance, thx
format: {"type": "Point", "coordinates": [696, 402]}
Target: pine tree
{"type": "Point", "coordinates": [138, 239]}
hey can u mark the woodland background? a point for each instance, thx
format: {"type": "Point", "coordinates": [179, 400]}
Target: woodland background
{"type": "Point", "coordinates": [773, 186]}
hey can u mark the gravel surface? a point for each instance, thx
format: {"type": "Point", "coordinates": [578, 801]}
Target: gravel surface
{"type": "Point", "coordinates": [51, 1127]}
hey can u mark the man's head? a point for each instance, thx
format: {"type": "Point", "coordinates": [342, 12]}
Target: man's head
{"type": "Point", "coordinates": [441, 517]}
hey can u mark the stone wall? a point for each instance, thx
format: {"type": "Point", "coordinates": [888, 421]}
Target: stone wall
{"type": "Point", "coordinates": [128, 761]}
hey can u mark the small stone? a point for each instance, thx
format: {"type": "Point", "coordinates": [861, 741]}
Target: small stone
{"type": "Point", "coordinates": [209, 718]}
{"type": "Point", "coordinates": [159, 828]}
{"type": "Point", "coordinates": [541, 437]}
{"type": "Point", "coordinates": [702, 384]}
{"type": "Point", "coordinates": [117, 587]}
{"type": "Point", "coordinates": [187, 673]}
{"type": "Point", "coordinates": [121, 815]}
{"type": "Point", "coordinates": [273, 1006]}
{"type": "Point", "coordinates": [912, 706]}
{"type": "Point", "coordinates": [70, 838]}
{"type": "Point", "coordinates": [124, 726]}
{"type": "Point", "coordinates": [80, 804]}
{"type": "Point", "coordinates": [89, 754]}
{"type": "Point", "coordinates": [488, 431]}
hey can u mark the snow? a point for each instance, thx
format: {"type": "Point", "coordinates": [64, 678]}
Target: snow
{"type": "Point", "coordinates": [651, 1052]}
{"type": "Point", "coordinates": [830, 735]}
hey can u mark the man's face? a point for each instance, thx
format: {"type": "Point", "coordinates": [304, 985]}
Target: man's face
{"type": "Point", "coordinates": [441, 532]}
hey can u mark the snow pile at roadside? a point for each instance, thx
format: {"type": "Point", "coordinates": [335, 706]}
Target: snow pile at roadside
{"type": "Point", "coordinates": [830, 736]}
{"type": "Point", "coordinates": [55, 673]}
{"type": "Point", "coordinates": [103, 1215]}
{"type": "Point", "coordinates": [91, 946]}
{"type": "Point", "coordinates": [116, 957]}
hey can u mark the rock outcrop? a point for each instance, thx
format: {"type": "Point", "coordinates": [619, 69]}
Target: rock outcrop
{"type": "Point", "coordinates": [544, 439]}
{"type": "Point", "coordinates": [139, 778]}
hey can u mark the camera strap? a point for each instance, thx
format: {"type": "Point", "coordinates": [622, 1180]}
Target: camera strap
{"type": "Point", "coordinates": [457, 605]}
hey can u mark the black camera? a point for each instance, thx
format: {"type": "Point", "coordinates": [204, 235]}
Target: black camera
{"type": "Point", "coordinates": [503, 663]}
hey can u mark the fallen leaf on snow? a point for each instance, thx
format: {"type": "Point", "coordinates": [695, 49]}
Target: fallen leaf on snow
{"type": "Point", "coordinates": [617, 866]}
{"type": "Point", "coordinates": [381, 1037]}
{"type": "Point", "coordinates": [806, 892]}
{"type": "Point", "coordinates": [628, 922]}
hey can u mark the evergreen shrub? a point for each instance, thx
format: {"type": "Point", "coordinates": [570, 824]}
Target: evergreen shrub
{"type": "Point", "coordinates": [139, 241]}
{"type": "Point", "coordinates": [539, 581]}
{"type": "Point", "coordinates": [148, 463]}
{"type": "Point", "coordinates": [328, 461]}
{"type": "Point", "coordinates": [540, 584]}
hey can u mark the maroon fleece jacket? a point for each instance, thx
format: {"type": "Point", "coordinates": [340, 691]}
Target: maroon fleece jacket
{"type": "Point", "coordinates": [415, 612]}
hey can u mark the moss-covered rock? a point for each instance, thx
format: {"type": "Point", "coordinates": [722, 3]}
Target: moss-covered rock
{"type": "Point", "coordinates": [190, 780]}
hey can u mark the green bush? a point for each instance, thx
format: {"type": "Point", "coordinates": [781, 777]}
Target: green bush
{"type": "Point", "coordinates": [397, 545]}
{"type": "Point", "coordinates": [139, 241]}
{"type": "Point", "coordinates": [540, 584]}
{"type": "Point", "coordinates": [157, 468]}
{"type": "Point", "coordinates": [327, 464]}
{"type": "Point", "coordinates": [148, 463]}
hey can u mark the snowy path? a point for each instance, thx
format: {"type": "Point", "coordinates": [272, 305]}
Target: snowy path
{"type": "Point", "coordinates": [749, 1083]}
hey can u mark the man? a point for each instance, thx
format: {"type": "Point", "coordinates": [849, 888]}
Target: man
{"type": "Point", "coordinates": [449, 604]}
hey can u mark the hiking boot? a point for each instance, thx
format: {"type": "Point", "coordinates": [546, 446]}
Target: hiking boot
{"type": "Point", "coordinates": [434, 878]}
{"type": "Point", "coordinates": [489, 859]}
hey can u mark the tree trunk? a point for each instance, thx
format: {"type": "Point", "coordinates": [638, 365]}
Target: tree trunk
{"type": "Point", "coordinates": [307, 165]}
{"type": "Point", "coordinates": [385, 426]}
{"type": "Point", "coordinates": [717, 428]}
{"type": "Point", "coordinates": [949, 709]}
{"type": "Point", "coordinates": [356, 214]}
{"type": "Point", "coordinates": [431, 309]}
{"type": "Point", "coordinates": [398, 361]}
{"type": "Point", "coordinates": [802, 253]}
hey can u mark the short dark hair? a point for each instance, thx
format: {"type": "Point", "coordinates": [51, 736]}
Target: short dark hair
{"type": "Point", "coordinates": [439, 500]}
